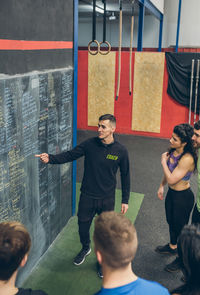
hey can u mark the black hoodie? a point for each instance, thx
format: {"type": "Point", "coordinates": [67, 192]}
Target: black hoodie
{"type": "Point", "coordinates": [100, 167]}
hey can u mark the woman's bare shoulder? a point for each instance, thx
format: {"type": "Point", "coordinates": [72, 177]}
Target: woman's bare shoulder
{"type": "Point", "coordinates": [187, 158]}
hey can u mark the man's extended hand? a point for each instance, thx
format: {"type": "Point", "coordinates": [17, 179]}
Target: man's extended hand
{"type": "Point", "coordinates": [43, 157]}
{"type": "Point", "coordinates": [124, 208]}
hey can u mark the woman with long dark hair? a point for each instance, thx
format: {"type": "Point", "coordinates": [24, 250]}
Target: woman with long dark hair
{"type": "Point", "coordinates": [189, 253]}
{"type": "Point", "coordinates": [178, 165]}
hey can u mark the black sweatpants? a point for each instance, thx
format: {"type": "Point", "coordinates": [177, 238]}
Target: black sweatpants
{"type": "Point", "coordinates": [87, 209]}
{"type": "Point", "coordinates": [178, 206]}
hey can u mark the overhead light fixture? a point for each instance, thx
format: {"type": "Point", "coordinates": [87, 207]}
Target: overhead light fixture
{"type": "Point", "coordinates": [112, 17]}
{"type": "Point", "coordinates": [100, 10]}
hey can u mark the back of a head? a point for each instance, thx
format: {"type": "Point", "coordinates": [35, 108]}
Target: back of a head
{"type": "Point", "coordinates": [189, 252]}
{"type": "Point", "coordinates": [115, 238]}
{"type": "Point", "coordinates": [15, 243]}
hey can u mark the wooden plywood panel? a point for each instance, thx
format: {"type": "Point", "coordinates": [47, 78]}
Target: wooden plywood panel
{"type": "Point", "coordinates": [147, 95]}
{"type": "Point", "coordinates": [101, 83]}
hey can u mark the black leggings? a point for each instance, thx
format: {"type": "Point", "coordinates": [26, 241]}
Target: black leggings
{"type": "Point", "coordinates": [178, 206]}
{"type": "Point", "coordinates": [87, 209]}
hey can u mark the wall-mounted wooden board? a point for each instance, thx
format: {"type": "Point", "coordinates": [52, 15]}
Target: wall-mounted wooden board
{"type": "Point", "coordinates": [148, 89]}
{"type": "Point", "coordinates": [101, 83]}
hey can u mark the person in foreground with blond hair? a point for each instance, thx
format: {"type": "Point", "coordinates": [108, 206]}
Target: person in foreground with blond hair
{"type": "Point", "coordinates": [115, 240]}
{"type": "Point", "coordinates": [15, 243]}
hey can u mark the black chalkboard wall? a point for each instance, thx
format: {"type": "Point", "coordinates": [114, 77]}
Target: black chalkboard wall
{"type": "Point", "coordinates": [36, 116]}
{"type": "Point", "coordinates": [36, 102]}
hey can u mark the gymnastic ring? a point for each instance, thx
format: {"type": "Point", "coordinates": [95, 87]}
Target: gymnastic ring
{"type": "Point", "coordinates": [91, 51]}
{"type": "Point", "coordinates": [102, 51]}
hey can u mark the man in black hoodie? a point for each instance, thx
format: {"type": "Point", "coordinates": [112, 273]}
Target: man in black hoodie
{"type": "Point", "coordinates": [103, 156]}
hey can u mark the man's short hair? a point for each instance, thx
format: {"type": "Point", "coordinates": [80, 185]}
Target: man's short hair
{"type": "Point", "coordinates": [15, 243]}
{"type": "Point", "coordinates": [197, 125]}
{"type": "Point", "coordinates": [109, 117]}
{"type": "Point", "coordinates": [116, 239]}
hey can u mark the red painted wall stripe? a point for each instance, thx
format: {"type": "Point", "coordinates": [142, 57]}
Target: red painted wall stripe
{"type": "Point", "coordinates": [34, 45]}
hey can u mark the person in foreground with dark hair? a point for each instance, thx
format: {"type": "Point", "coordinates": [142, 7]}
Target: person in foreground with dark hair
{"type": "Point", "coordinates": [15, 243]}
{"type": "Point", "coordinates": [196, 143]}
{"type": "Point", "coordinates": [103, 156]}
{"type": "Point", "coordinates": [189, 253]}
{"type": "Point", "coordinates": [178, 165]}
{"type": "Point", "coordinates": [115, 241]}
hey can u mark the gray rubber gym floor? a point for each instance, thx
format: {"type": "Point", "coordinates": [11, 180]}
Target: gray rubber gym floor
{"type": "Point", "coordinates": [152, 229]}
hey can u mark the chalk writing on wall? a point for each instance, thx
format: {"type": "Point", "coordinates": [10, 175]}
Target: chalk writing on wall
{"type": "Point", "coordinates": [36, 117]}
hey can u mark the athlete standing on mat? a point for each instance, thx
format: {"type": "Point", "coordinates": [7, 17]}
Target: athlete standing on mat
{"type": "Point", "coordinates": [103, 156]}
{"type": "Point", "coordinates": [178, 165]}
